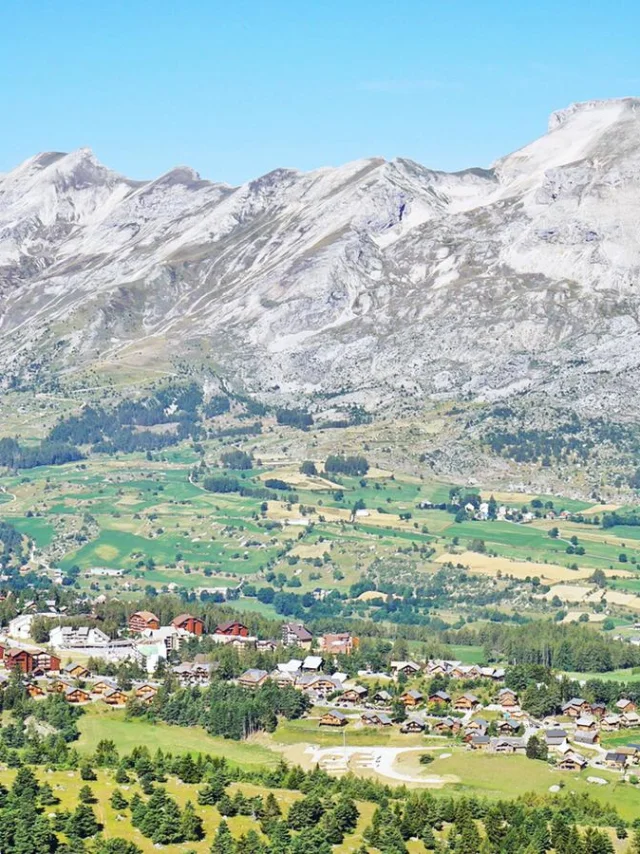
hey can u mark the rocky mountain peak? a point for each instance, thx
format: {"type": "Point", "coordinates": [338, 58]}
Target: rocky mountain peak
{"type": "Point", "coordinates": [355, 280]}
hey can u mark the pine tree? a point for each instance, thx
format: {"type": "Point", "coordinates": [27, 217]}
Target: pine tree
{"type": "Point", "coordinates": [191, 824]}
{"type": "Point", "coordinates": [223, 841]}
{"type": "Point", "coordinates": [86, 796]}
{"type": "Point", "coordinates": [118, 801]}
{"type": "Point", "coordinates": [83, 822]}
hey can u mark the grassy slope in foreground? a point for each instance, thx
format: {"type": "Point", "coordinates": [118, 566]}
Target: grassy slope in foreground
{"type": "Point", "coordinates": [97, 724]}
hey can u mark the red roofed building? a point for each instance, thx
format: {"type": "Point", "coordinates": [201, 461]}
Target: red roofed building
{"type": "Point", "coordinates": [45, 661]}
{"type": "Point", "coordinates": [18, 658]}
{"type": "Point", "coordinates": [143, 620]}
{"type": "Point", "coordinates": [232, 628]}
{"type": "Point", "coordinates": [342, 643]}
{"type": "Point", "coordinates": [193, 625]}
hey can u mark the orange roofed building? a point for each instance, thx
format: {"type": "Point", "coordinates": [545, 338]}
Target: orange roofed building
{"type": "Point", "coordinates": [143, 620]}
{"type": "Point", "coordinates": [193, 625]}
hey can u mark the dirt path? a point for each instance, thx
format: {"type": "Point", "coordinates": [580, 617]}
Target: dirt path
{"type": "Point", "coordinates": [380, 760]}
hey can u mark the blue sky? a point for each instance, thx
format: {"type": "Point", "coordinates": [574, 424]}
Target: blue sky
{"type": "Point", "coordinates": [235, 89]}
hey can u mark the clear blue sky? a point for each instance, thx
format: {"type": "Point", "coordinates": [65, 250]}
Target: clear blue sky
{"type": "Point", "coordinates": [237, 88]}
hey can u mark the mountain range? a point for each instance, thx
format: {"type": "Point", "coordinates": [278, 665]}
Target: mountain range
{"type": "Point", "coordinates": [377, 281]}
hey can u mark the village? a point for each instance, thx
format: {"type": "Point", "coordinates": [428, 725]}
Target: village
{"type": "Point", "coordinates": [468, 704]}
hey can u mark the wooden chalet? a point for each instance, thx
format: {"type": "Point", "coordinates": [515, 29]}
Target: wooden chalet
{"type": "Point", "coordinates": [616, 759]}
{"type": "Point", "coordinates": [572, 762]}
{"type": "Point", "coordinates": [625, 705]}
{"type": "Point", "coordinates": [353, 696]}
{"type": "Point", "coordinates": [232, 628]}
{"type": "Point", "coordinates": [375, 719]}
{"type": "Point", "coordinates": [447, 726]}
{"type": "Point", "coordinates": [20, 659]}
{"type": "Point", "coordinates": [440, 697]}
{"type": "Point", "coordinates": [507, 698]}
{"type": "Point", "coordinates": [115, 697]}
{"type": "Point", "coordinates": [466, 702]}
{"type": "Point", "coordinates": [189, 623]}
{"type": "Point", "coordinates": [253, 678]}
{"type": "Point", "coordinates": [101, 686]}
{"type": "Point", "coordinates": [333, 718]}
{"type": "Point", "coordinates": [75, 695]}
{"type": "Point", "coordinates": [73, 670]}
{"type": "Point", "coordinates": [412, 725]}
{"type": "Point", "coordinates": [575, 707]}
{"type": "Point", "coordinates": [35, 691]}
{"type": "Point", "coordinates": [411, 698]}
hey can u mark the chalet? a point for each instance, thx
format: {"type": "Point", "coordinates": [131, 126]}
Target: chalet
{"type": "Point", "coordinates": [76, 695]}
{"type": "Point", "coordinates": [353, 696]}
{"type": "Point", "coordinates": [630, 719]}
{"type": "Point", "coordinates": [232, 628]}
{"type": "Point", "coordinates": [575, 707]}
{"type": "Point", "coordinates": [599, 710]}
{"type": "Point", "coordinates": [266, 645]}
{"type": "Point", "coordinates": [44, 661]}
{"type": "Point", "coordinates": [73, 670]}
{"type": "Point", "coordinates": [141, 621]}
{"type": "Point", "coordinates": [34, 690]}
{"type": "Point", "coordinates": [588, 737]}
{"type": "Point", "coordinates": [101, 686]}
{"type": "Point", "coordinates": [19, 658]}
{"type": "Point", "coordinates": [284, 678]}
{"type": "Point", "coordinates": [616, 759]}
{"type": "Point", "coordinates": [381, 698]}
{"type": "Point", "coordinates": [407, 668]}
{"type": "Point", "coordinates": [253, 678]}
{"type": "Point", "coordinates": [447, 726]}
{"type": "Point", "coordinates": [555, 737]}
{"type": "Point", "coordinates": [506, 727]}
{"type": "Point", "coordinates": [413, 725]}
{"type": "Point", "coordinates": [295, 634]}
{"type": "Point", "coordinates": [625, 705]}
{"type": "Point", "coordinates": [333, 718]}
{"type": "Point", "coordinates": [477, 725]}
{"type": "Point", "coordinates": [312, 664]}
{"type": "Point", "coordinates": [192, 673]}
{"type": "Point", "coordinates": [188, 623]}
{"type": "Point", "coordinates": [375, 719]}
{"type": "Point", "coordinates": [572, 761]}
{"type": "Point", "coordinates": [508, 745]}
{"type": "Point", "coordinates": [610, 723]}
{"type": "Point", "coordinates": [466, 702]}
{"type": "Point", "coordinates": [146, 692]}
{"type": "Point", "coordinates": [115, 697]}
{"type": "Point", "coordinates": [338, 644]}
{"type": "Point", "coordinates": [58, 686]}
{"type": "Point", "coordinates": [439, 697]}
{"type": "Point", "coordinates": [480, 742]}
{"type": "Point", "coordinates": [317, 685]}
{"type": "Point", "coordinates": [411, 698]}
{"type": "Point", "coordinates": [507, 698]}
{"type": "Point", "coordinates": [586, 723]}
{"type": "Point", "coordinates": [470, 734]}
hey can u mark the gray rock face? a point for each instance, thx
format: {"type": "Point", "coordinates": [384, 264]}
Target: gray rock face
{"type": "Point", "coordinates": [381, 280]}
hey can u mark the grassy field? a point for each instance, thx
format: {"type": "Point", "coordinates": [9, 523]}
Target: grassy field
{"type": "Point", "coordinates": [495, 776]}
{"type": "Point", "coordinates": [623, 675]}
{"type": "Point", "coordinates": [99, 723]}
